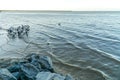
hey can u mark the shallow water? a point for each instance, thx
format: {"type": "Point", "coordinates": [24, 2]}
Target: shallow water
{"type": "Point", "coordinates": [86, 45]}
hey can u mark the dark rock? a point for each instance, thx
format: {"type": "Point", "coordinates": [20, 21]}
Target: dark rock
{"type": "Point", "coordinates": [38, 66]}
{"type": "Point", "coordinates": [43, 63]}
{"type": "Point", "coordinates": [33, 67]}
{"type": "Point", "coordinates": [16, 75]}
{"type": "Point", "coordinates": [58, 77]}
{"type": "Point", "coordinates": [19, 32]}
{"type": "Point", "coordinates": [46, 63]}
{"type": "Point", "coordinates": [14, 67]}
{"type": "Point", "coordinates": [33, 59]}
{"type": "Point", "coordinates": [23, 30]}
{"type": "Point", "coordinates": [6, 75]}
{"type": "Point", "coordinates": [28, 71]}
{"type": "Point", "coordinates": [12, 33]}
{"type": "Point", "coordinates": [49, 76]}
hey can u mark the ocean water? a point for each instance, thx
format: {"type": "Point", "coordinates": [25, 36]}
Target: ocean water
{"type": "Point", "coordinates": [83, 44]}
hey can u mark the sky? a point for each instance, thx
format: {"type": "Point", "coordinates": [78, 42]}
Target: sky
{"type": "Point", "coordinates": [74, 5]}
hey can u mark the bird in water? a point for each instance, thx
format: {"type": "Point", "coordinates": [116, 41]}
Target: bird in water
{"type": "Point", "coordinates": [59, 24]}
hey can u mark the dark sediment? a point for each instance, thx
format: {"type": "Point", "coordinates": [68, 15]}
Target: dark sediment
{"type": "Point", "coordinates": [32, 67]}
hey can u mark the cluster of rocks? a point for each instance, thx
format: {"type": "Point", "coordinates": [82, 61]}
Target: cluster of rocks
{"type": "Point", "coordinates": [34, 67]}
{"type": "Point", "coordinates": [19, 32]}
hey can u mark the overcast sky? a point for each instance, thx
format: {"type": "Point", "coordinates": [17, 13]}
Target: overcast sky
{"type": "Point", "coordinates": [75, 5]}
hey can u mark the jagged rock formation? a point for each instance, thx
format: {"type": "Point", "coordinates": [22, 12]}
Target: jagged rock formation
{"type": "Point", "coordinates": [19, 32]}
{"type": "Point", "coordinates": [34, 67]}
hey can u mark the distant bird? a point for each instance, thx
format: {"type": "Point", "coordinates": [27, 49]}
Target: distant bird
{"type": "Point", "coordinates": [59, 24]}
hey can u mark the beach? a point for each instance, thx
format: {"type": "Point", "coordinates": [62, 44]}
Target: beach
{"type": "Point", "coordinates": [85, 45]}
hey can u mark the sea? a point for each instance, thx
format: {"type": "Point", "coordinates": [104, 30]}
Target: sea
{"type": "Point", "coordinates": [83, 44]}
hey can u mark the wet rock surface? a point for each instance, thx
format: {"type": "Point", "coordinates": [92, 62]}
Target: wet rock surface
{"type": "Point", "coordinates": [6, 75]}
{"type": "Point", "coordinates": [49, 76]}
{"type": "Point", "coordinates": [33, 67]}
{"type": "Point", "coordinates": [19, 32]}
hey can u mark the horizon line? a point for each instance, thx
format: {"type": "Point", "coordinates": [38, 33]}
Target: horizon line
{"type": "Point", "coordinates": [60, 10]}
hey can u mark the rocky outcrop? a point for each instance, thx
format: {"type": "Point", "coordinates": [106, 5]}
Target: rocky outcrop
{"type": "Point", "coordinates": [49, 76]}
{"type": "Point", "coordinates": [20, 31]}
{"type": "Point", "coordinates": [33, 67]}
{"type": "Point", "coordinates": [6, 75]}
